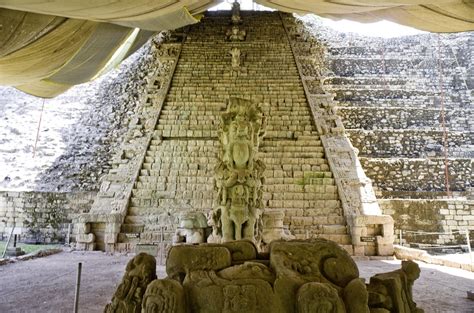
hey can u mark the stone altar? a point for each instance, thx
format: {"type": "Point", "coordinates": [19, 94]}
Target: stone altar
{"type": "Point", "coordinates": [295, 276]}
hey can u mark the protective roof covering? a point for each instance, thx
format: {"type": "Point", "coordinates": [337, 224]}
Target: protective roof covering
{"type": "Point", "coordinates": [47, 46]}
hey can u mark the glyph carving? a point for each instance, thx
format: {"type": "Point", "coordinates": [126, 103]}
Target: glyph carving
{"type": "Point", "coordinates": [239, 174]}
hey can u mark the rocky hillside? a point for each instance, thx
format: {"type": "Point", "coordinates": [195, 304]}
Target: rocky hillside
{"type": "Point", "coordinates": [78, 134]}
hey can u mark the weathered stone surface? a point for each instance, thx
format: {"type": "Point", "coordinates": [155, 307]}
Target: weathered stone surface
{"type": "Point", "coordinates": [393, 290]}
{"type": "Point", "coordinates": [207, 293]}
{"type": "Point", "coordinates": [303, 276]}
{"type": "Point", "coordinates": [298, 262]}
{"type": "Point", "coordinates": [140, 272]}
{"type": "Point", "coordinates": [248, 270]}
{"type": "Point", "coordinates": [355, 189]}
{"type": "Point", "coordinates": [242, 250]}
{"type": "Point", "coordinates": [319, 297]}
{"type": "Point", "coordinates": [164, 296]}
{"type": "Point", "coordinates": [184, 258]}
{"type": "Point", "coordinates": [191, 228]}
{"type": "Point", "coordinates": [356, 297]}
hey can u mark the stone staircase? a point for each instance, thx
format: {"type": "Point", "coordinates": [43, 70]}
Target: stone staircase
{"type": "Point", "coordinates": [177, 174]}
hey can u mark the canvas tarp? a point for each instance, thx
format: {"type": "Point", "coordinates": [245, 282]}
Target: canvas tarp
{"type": "Point", "coordinates": [429, 15]}
{"type": "Point", "coordinates": [144, 14]}
{"type": "Point", "coordinates": [47, 46]}
{"type": "Point", "coordinates": [45, 55]}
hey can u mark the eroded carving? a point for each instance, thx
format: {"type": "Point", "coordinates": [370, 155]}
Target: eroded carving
{"type": "Point", "coordinates": [191, 228]}
{"type": "Point", "coordinates": [393, 291]}
{"type": "Point", "coordinates": [140, 271]}
{"type": "Point", "coordinates": [319, 297]}
{"type": "Point", "coordinates": [236, 34]}
{"type": "Point", "coordinates": [236, 58]}
{"type": "Point", "coordinates": [164, 296]}
{"type": "Point", "coordinates": [296, 276]}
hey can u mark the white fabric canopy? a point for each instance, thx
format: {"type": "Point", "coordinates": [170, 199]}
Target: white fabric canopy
{"type": "Point", "coordinates": [429, 15]}
{"type": "Point", "coordinates": [47, 46]}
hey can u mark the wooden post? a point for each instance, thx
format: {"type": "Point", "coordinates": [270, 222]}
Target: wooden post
{"type": "Point", "coordinates": [68, 235]}
{"type": "Point", "coordinates": [8, 242]}
{"type": "Point", "coordinates": [469, 245]}
{"type": "Point", "coordinates": [78, 285]}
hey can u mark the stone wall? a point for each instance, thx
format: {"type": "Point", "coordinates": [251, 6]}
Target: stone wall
{"type": "Point", "coordinates": [403, 174]}
{"type": "Point", "coordinates": [432, 216]}
{"type": "Point", "coordinates": [41, 216]}
{"type": "Point", "coordinates": [79, 133]}
{"type": "Point", "coordinates": [384, 143]}
{"type": "Point", "coordinates": [406, 118]}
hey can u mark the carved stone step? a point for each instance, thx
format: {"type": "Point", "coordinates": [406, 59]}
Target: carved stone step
{"type": "Point", "coordinates": [340, 239]}
{"type": "Point", "coordinates": [329, 220]}
{"type": "Point", "coordinates": [134, 219]}
{"type": "Point", "coordinates": [332, 229]}
{"type": "Point", "coordinates": [126, 238]}
{"type": "Point", "coordinates": [287, 144]}
{"type": "Point", "coordinates": [132, 228]}
{"type": "Point", "coordinates": [125, 247]}
{"type": "Point", "coordinates": [304, 149]}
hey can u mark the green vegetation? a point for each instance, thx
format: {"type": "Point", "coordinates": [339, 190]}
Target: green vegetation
{"type": "Point", "coordinates": [29, 248]}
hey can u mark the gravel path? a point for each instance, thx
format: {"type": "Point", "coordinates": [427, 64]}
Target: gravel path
{"type": "Point", "coordinates": [47, 284]}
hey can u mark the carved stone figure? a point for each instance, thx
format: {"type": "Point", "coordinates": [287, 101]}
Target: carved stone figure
{"type": "Point", "coordinates": [236, 19]}
{"type": "Point", "coordinates": [273, 228]}
{"type": "Point", "coordinates": [182, 259]}
{"type": "Point", "coordinates": [209, 293]}
{"type": "Point", "coordinates": [235, 34]}
{"type": "Point", "coordinates": [307, 276]}
{"type": "Point", "coordinates": [239, 174]}
{"type": "Point", "coordinates": [320, 298]}
{"type": "Point", "coordinates": [235, 55]}
{"type": "Point", "coordinates": [164, 296]}
{"type": "Point", "coordinates": [393, 291]}
{"type": "Point", "coordinates": [140, 271]}
{"type": "Point", "coordinates": [191, 228]}
{"type": "Point", "coordinates": [317, 260]}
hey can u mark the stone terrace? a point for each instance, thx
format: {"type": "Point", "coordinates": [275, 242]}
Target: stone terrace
{"type": "Point", "coordinates": [390, 99]}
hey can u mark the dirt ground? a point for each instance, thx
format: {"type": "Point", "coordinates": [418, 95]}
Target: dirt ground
{"type": "Point", "coordinates": [47, 284]}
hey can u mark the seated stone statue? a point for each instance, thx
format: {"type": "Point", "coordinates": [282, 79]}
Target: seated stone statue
{"type": "Point", "coordinates": [393, 291]}
{"type": "Point", "coordinates": [191, 228]}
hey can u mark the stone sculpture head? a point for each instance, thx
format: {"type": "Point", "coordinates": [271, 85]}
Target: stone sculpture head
{"type": "Point", "coordinates": [411, 269]}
